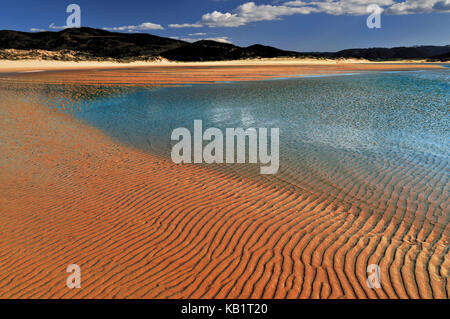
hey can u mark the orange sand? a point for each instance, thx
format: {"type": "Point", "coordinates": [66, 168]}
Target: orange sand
{"type": "Point", "coordinates": [142, 227]}
{"type": "Point", "coordinates": [169, 74]}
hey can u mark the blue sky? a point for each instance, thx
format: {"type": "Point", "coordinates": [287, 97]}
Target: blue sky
{"type": "Point", "coordinates": [302, 25]}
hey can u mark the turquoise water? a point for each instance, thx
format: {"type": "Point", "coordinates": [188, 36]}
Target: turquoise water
{"type": "Point", "coordinates": [406, 113]}
{"type": "Point", "coordinates": [402, 112]}
{"type": "Point", "coordinates": [369, 140]}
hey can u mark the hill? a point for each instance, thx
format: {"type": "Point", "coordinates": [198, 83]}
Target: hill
{"type": "Point", "coordinates": [410, 53]}
{"type": "Point", "coordinates": [96, 44]}
{"type": "Point", "coordinates": [101, 44]}
{"type": "Point", "coordinates": [92, 42]}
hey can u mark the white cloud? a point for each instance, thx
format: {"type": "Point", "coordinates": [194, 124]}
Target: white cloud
{"type": "Point", "coordinates": [185, 25]}
{"type": "Point", "coordinates": [344, 7]}
{"type": "Point", "coordinates": [198, 34]}
{"type": "Point", "coordinates": [218, 39]}
{"type": "Point", "coordinates": [55, 27]}
{"type": "Point", "coordinates": [37, 30]}
{"type": "Point", "coordinates": [443, 6]}
{"type": "Point", "coordinates": [251, 12]}
{"type": "Point", "coordinates": [419, 6]}
{"type": "Point", "coordinates": [133, 28]}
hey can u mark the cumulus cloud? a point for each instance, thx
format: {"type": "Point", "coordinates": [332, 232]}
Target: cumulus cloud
{"type": "Point", "coordinates": [419, 6]}
{"type": "Point", "coordinates": [185, 25]}
{"type": "Point", "coordinates": [442, 6]}
{"type": "Point", "coordinates": [55, 27]}
{"type": "Point", "coordinates": [219, 39]}
{"type": "Point", "coordinates": [198, 34]}
{"type": "Point", "coordinates": [133, 28]}
{"type": "Point", "coordinates": [342, 7]}
{"type": "Point", "coordinates": [190, 39]}
{"type": "Point", "coordinates": [250, 12]}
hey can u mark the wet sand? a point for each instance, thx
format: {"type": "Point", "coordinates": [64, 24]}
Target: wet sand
{"type": "Point", "coordinates": [169, 73]}
{"type": "Point", "coordinates": [140, 226]}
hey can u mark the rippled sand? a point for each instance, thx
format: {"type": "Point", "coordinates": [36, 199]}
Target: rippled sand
{"type": "Point", "coordinates": [142, 227]}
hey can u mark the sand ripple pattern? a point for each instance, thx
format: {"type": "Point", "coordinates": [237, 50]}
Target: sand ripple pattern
{"type": "Point", "coordinates": [142, 227]}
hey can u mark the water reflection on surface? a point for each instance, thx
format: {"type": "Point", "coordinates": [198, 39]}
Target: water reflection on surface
{"type": "Point", "coordinates": [370, 140]}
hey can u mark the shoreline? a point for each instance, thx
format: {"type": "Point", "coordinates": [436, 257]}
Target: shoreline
{"type": "Point", "coordinates": [173, 74]}
{"type": "Point", "coordinates": [38, 65]}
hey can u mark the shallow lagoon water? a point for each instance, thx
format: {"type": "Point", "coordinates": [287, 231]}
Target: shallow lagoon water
{"type": "Point", "coordinates": [371, 140]}
{"type": "Point", "coordinates": [405, 111]}
{"type": "Point", "coordinates": [374, 141]}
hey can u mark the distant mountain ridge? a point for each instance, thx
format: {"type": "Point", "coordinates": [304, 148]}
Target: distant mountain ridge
{"type": "Point", "coordinates": [89, 43]}
{"type": "Point", "coordinates": [416, 52]}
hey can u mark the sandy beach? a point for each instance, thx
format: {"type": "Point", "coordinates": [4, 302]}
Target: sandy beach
{"type": "Point", "coordinates": [173, 73]}
{"type": "Point", "coordinates": [186, 231]}
{"type": "Point", "coordinates": [30, 65]}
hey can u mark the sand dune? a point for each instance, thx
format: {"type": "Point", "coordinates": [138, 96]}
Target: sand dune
{"type": "Point", "coordinates": [142, 227]}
